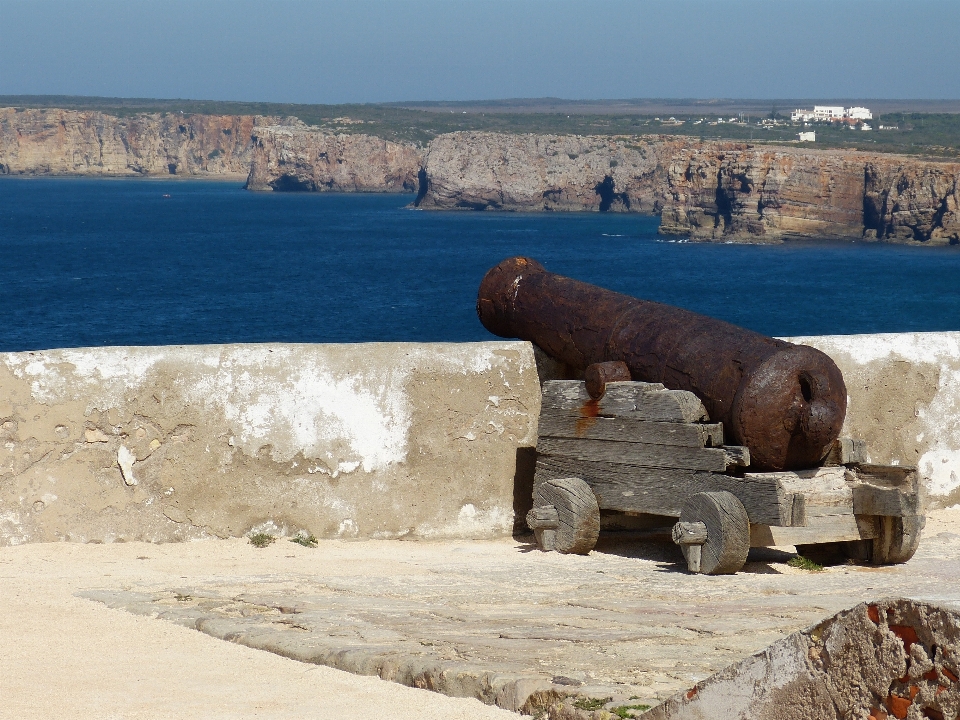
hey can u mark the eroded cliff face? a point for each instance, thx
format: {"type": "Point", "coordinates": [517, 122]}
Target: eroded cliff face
{"type": "Point", "coordinates": [67, 142]}
{"type": "Point", "coordinates": [492, 171]}
{"type": "Point", "coordinates": [906, 200]}
{"type": "Point", "coordinates": [735, 191]}
{"type": "Point", "coordinates": [296, 157]}
{"type": "Point", "coordinates": [705, 190]}
{"type": "Point", "coordinates": [725, 191]}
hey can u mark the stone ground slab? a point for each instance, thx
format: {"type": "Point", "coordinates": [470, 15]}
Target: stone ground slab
{"type": "Point", "coordinates": [499, 620]}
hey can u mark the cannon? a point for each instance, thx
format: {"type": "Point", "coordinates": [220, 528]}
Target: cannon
{"type": "Point", "coordinates": [784, 402]}
{"type": "Point", "coordinates": [639, 434]}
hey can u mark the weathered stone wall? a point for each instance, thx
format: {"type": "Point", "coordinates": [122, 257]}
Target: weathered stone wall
{"type": "Point", "coordinates": [904, 400]}
{"type": "Point", "coordinates": [173, 443]}
{"type": "Point", "coordinates": [372, 440]}
{"type": "Point", "coordinates": [882, 659]}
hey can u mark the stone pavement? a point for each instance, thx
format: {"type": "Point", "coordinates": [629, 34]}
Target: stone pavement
{"type": "Point", "coordinates": [505, 623]}
{"type": "Point", "coordinates": [62, 656]}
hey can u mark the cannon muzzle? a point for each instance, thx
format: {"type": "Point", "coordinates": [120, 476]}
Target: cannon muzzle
{"type": "Point", "coordinates": [785, 402]}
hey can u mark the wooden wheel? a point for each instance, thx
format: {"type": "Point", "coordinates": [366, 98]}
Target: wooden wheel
{"type": "Point", "coordinates": [565, 516]}
{"type": "Point", "coordinates": [897, 540]}
{"type": "Point", "coordinates": [728, 531]}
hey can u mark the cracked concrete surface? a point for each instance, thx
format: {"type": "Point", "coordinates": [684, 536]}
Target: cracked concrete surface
{"type": "Point", "coordinates": [498, 620]}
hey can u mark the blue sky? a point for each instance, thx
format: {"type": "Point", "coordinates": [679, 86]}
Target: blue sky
{"type": "Point", "coordinates": [314, 51]}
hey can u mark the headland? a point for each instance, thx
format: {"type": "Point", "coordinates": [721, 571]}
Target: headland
{"type": "Point", "coordinates": [714, 190]}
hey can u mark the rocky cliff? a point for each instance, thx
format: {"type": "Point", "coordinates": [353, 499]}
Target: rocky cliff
{"type": "Point", "coordinates": [706, 190]}
{"type": "Point", "coordinates": [296, 157]}
{"type": "Point", "coordinates": [67, 142]}
{"type": "Point", "coordinates": [490, 171]}
{"type": "Point", "coordinates": [906, 200]}
{"type": "Point", "coordinates": [739, 192]}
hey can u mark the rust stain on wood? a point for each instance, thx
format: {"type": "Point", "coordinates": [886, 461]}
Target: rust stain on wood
{"type": "Point", "coordinates": [589, 412]}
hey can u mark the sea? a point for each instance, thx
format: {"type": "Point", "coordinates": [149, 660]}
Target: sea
{"type": "Point", "coordinates": [90, 262]}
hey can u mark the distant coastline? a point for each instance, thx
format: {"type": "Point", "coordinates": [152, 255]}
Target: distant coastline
{"type": "Point", "coordinates": [709, 190]}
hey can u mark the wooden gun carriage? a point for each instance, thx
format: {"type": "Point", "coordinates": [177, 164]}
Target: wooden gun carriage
{"type": "Point", "coordinates": [610, 443]}
{"type": "Point", "coordinates": [642, 449]}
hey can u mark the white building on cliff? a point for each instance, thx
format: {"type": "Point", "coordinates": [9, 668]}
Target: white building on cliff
{"type": "Point", "coordinates": [825, 113]}
{"type": "Point", "coordinates": [831, 113]}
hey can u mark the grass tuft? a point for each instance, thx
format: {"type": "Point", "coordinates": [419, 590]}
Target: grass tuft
{"type": "Point", "coordinates": [804, 564]}
{"type": "Point", "coordinates": [626, 711]}
{"type": "Point", "coordinates": [586, 703]}
{"type": "Point", "coordinates": [307, 540]}
{"type": "Point", "coordinates": [261, 540]}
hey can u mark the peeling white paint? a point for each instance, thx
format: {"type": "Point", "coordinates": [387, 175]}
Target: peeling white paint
{"type": "Point", "coordinates": [939, 465]}
{"type": "Point", "coordinates": [348, 528]}
{"type": "Point", "coordinates": [338, 411]}
{"type": "Point", "coordinates": [293, 406]}
{"type": "Point", "coordinates": [12, 531]}
{"type": "Point", "coordinates": [268, 527]}
{"type": "Point", "coordinates": [102, 376]}
{"type": "Point", "coordinates": [307, 407]}
{"type": "Point", "coordinates": [911, 347]}
{"type": "Point", "coordinates": [126, 459]}
{"type": "Point", "coordinates": [472, 522]}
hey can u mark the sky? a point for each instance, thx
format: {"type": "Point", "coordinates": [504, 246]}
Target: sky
{"type": "Point", "coordinates": [315, 51]}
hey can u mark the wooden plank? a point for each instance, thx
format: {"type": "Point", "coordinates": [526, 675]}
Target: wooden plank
{"type": "Point", "coordinates": [571, 424]}
{"type": "Point", "coordinates": [888, 502]}
{"type": "Point", "coordinates": [737, 455]}
{"type": "Point", "coordinates": [828, 528]}
{"type": "Point", "coordinates": [846, 451]}
{"type": "Point", "coordinates": [642, 454]}
{"type": "Point", "coordinates": [663, 491]}
{"type": "Point", "coordinates": [904, 477]}
{"type": "Point", "coordinates": [825, 490]}
{"type": "Point", "coordinates": [643, 401]}
{"type": "Point", "coordinates": [799, 515]}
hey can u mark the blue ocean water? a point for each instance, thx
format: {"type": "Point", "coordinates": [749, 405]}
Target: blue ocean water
{"type": "Point", "coordinates": [143, 262]}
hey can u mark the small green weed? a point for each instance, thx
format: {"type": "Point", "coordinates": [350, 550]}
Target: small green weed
{"type": "Point", "coordinates": [804, 564]}
{"type": "Point", "coordinates": [261, 540]}
{"type": "Point", "coordinates": [307, 540]}
{"type": "Point", "coordinates": [585, 703]}
{"type": "Point", "coordinates": [624, 711]}
{"type": "Point", "coordinates": [182, 598]}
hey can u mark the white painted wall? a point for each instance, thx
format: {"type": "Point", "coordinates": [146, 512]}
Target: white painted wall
{"type": "Point", "coordinates": [904, 400]}
{"type": "Point", "coordinates": [381, 440]}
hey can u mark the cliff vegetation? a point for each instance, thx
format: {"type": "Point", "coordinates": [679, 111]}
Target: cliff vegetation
{"type": "Point", "coordinates": [924, 128]}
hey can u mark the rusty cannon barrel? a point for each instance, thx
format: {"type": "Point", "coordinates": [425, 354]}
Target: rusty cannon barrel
{"type": "Point", "coordinates": [785, 402]}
